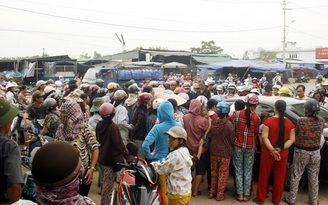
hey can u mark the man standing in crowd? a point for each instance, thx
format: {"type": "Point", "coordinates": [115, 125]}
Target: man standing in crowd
{"type": "Point", "coordinates": [300, 90]}
{"type": "Point", "coordinates": [11, 178]}
{"type": "Point", "coordinates": [203, 90]}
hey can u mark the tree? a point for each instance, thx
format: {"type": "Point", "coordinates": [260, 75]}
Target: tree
{"type": "Point", "coordinates": [158, 48]}
{"type": "Point", "coordinates": [207, 47]}
{"type": "Point", "coordinates": [85, 56]}
{"type": "Point", "coordinates": [266, 55]}
{"type": "Point", "coordinates": [246, 55]}
{"type": "Point", "coordinates": [96, 55]}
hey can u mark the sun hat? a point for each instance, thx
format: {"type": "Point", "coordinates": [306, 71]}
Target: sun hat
{"type": "Point", "coordinates": [7, 112]}
{"type": "Point", "coordinates": [40, 82]}
{"type": "Point", "coordinates": [177, 132]}
{"type": "Point", "coordinates": [96, 103]}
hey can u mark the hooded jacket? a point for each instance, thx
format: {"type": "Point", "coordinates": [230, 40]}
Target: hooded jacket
{"type": "Point", "coordinates": [166, 119]}
{"type": "Point", "coordinates": [195, 125]}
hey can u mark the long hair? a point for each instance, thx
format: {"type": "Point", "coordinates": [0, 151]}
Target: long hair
{"type": "Point", "coordinates": [281, 108]}
{"type": "Point", "coordinates": [248, 114]}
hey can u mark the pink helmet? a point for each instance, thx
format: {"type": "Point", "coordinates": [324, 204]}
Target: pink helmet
{"type": "Point", "coordinates": [179, 90]}
{"type": "Point", "coordinates": [106, 109]}
{"type": "Point", "coordinates": [252, 99]}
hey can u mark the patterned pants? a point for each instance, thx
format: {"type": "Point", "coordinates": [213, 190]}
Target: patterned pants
{"type": "Point", "coordinates": [243, 161]}
{"type": "Point", "coordinates": [219, 176]}
{"type": "Point", "coordinates": [311, 161]}
{"type": "Point", "coordinates": [107, 183]}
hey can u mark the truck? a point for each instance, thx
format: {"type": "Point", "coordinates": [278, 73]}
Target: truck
{"type": "Point", "coordinates": [120, 76]}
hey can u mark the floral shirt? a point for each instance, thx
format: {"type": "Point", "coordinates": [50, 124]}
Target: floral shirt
{"type": "Point", "coordinates": [308, 132]}
{"type": "Point", "coordinates": [177, 168]}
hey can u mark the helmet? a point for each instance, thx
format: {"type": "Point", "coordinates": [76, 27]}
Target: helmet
{"type": "Point", "coordinates": [157, 102]}
{"type": "Point", "coordinates": [48, 89]}
{"type": "Point", "coordinates": [144, 97]}
{"type": "Point", "coordinates": [321, 90]}
{"type": "Point", "coordinates": [101, 92]}
{"type": "Point", "coordinates": [120, 95]}
{"type": "Point", "coordinates": [50, 104]}
{"type": "Point", "coordinates": [94, 88]}
{"type": "Point", "coordinates": [112, 86]}
{"type": "Point", "coordinates": [284, 90]}
{"type": "Point", "coordinates": [106, 109]}
{"type": "Point", "coordinates": [202, 99]}
{"type": "Point", "coordinates": [50, 81]}
{"type": "Point", "coordinates": [100, 82]}
{"type": "Point", "coordinates": [54, 96]}
{"type": "Point", "coordinates": [133, 89]}
{"type": "Point", "coordinates": [233, 86]}
{"type": "Point", "coordinates": [276, 87]}
{"type": "Point", "coordinates": [58, 83]}
{"type": "Point", "coordinates": [312, 105]}
{"type": "Point", "coordinates": [10, 85]}
{"type": "Point", "coordinates": [179, 90]}
{"type": "Point", "coordinates": [184, 96]}
{"type": "Point", "coordinates": [223, 107]}
{"type": "Point", "coordinates": [83, 85]}
{"type": "Point", "coordinates": [51, 168]}
{"type": "Point", "coordinates": [252, 99]}
{"type": "Point", "coordinates": [255, 91]}
{"type": "Point", "coordinates": [218, 98]}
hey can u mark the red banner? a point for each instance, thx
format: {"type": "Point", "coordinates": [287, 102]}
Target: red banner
{"type": "Point", "coordinates": [321, 53]}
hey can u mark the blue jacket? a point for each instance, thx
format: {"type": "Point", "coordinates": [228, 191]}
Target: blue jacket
{"type": "Point", "coordinates": [156, 134]}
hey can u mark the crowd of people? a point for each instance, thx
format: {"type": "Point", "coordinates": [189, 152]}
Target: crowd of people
{"type": "Point", "coordinates": [197, 132]}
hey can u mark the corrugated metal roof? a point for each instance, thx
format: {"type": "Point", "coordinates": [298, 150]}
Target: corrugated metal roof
{"type": "Point", "coordinates": [209, 59]}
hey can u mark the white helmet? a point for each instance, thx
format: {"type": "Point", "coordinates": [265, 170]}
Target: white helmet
{"type": "Point", "coordinates": [11, 85]}
{"type": "Point", "coordinates": [157, 102]}
{"type": "Point", "coordinates": [58, 83]}
{"type": "Point", "coordinates": [202, 99]}
{"type": "Point", "coordinates": [48, 89]}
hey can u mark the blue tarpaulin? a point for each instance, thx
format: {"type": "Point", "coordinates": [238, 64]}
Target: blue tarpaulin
{"type": "Point", "coordinates": [253, 65]}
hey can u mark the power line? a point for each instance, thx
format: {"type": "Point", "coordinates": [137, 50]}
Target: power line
{"type": "Point", "coordinates": [136, 27]}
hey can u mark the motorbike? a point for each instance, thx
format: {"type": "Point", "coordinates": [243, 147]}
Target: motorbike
{"type": "Point", "coordinates": [303, 79]}
{"type": "Point", "coordinates": [138, 183]}
{"type": "Point", "coordinates": [29, 187]}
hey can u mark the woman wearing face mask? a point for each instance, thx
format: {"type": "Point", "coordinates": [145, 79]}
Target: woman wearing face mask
{"type": "Point", "coordinates": [139, 120]}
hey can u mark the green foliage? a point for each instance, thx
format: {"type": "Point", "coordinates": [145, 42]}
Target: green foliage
{"type": "Point", "coordinates": [85, 56]}
{"type": "Point", "coordinates": [96, 55]}
{"type": "Point", "coordinates": [266, 55]}
{"type": "Point", "coordinates": [207, 47]}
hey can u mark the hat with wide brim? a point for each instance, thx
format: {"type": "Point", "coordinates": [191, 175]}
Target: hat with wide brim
{"type": "Point", "coordinates": [7, 112]}
{"type": "Point", "coordinates": [96, 103]}
{"type": "Point", "coordinates": [167, 96]}
{"type": "Point", "coordinates": [177, 132]}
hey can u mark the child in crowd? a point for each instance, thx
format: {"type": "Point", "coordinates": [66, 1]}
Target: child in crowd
{"type": "Point", "coordinates": [177, 167]}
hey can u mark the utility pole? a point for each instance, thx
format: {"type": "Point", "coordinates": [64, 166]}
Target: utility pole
{"type": "Point", "coordinates": [284, 35]}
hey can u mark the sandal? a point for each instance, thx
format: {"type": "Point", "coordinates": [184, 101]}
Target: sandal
{"type": "Point", "coordinates": [257, 202]}
{"type": "Point", "coordinates": [286, 201]}
{"type": "Point", "coordinates": [247, 198]}
{"type": "Point", "coordinates": [199, 193]}
{"type": "Point", "coordinates": [221, 199]}
{"type": "Point", "coordinates": [239, 198]}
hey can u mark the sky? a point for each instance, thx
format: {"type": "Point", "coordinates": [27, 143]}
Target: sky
{"type": "Point", "coordinates": [75, 27]}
